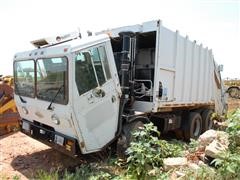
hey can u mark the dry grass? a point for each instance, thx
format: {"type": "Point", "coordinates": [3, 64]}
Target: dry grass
{"type": "Point", "coordinates": [233, 104]}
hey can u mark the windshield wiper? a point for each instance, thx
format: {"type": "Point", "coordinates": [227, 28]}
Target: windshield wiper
{"type": "Point", "coordinates": [22, 100]}
{"type": "Point", "coordinates": [53, 99]}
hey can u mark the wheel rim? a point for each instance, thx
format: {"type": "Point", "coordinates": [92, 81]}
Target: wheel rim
{"type": "Point", "coordinates": [196, 129]}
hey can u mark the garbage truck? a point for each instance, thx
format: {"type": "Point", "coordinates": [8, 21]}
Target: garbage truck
{"type": "Point", "coordinates": [81, 95]}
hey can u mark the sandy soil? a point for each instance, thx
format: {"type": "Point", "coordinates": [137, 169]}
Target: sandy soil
{"type": "Point", "coordinates": [23, 156]}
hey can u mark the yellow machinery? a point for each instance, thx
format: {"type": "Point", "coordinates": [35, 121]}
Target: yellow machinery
{"type": "Point", "coordinates": [9, 117]}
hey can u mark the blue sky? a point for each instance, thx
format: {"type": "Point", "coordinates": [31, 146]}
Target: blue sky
{"type": "Point", "coordinates": [215, 23]}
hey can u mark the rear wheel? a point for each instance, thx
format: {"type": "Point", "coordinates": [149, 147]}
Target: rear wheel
{"type": "Point", "coordinates": [207, 122]}
{"type": "Point", "coordinates": [193, 127]}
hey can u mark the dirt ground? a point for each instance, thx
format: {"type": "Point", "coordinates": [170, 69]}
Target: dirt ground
{"type": "Point", "coordinates": [22, 156]}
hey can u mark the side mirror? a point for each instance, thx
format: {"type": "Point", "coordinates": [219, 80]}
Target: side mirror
{"type": "Point", "coordinates": [220, 68]}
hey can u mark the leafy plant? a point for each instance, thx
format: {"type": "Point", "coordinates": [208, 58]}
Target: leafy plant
{"type": "Point", "coordinates": [146, 151]}
{"type": "Point", "coordinates": [217, 117]}
{"type": "Point", "coordinates": [228, 165]}
{"type": "Point", "coordinates": [233, 130]}
{"type": "Point", "coordinates": [87, 172]}
{"type": "Point", "coordinates": [16, 177]}
{"type": "Point", "coordinates": [203, 173]}
{"type": "Point", "coordinates": [81, 173]}
{"type": "Point", "coordinates": [193, 145]}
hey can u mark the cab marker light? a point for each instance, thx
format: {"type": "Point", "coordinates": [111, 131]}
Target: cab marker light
{"type": "Point", "coordinates": [58, 38]}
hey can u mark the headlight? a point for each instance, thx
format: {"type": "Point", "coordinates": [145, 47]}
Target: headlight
{"type": "Point", "coordinates": [55, 119]}
{"type": "Point", "coordinates": [24, 109]}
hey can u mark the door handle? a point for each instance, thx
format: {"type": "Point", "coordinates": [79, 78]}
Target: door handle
{"type": "Point", "coordinates": [90, 99]}
{"type": "Point", "coordinates": [98, 92]}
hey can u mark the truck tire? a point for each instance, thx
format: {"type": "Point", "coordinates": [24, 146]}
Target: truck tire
{"type": "Point", "coordinates": [207, 122]}
{"type": "Point", "coordinates": [234, 92]}
{"type": "Point", "coordinates": [193, 127]}
{"type": "Point", "coordinates": [126, 137]}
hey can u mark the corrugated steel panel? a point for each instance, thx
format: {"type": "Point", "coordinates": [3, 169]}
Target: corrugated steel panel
{"type": "Point", "coordinates": [185, 70]}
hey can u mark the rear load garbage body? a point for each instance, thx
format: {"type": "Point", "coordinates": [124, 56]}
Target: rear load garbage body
{"type": "Point", "coordinates": [81, 95]}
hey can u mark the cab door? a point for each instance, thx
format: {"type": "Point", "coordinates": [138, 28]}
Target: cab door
{"type": "Point", "coordinates": [96, 96]}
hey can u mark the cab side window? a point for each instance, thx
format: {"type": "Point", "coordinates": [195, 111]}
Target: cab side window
{"type": "Point", "coordinates": [91, 68]}
{"type": "Point", "coordinates": [98, 66]}
{"type": "Point", "coordinates": [84, 72]}
{"type": "Point", "coordinates": [104, 60]}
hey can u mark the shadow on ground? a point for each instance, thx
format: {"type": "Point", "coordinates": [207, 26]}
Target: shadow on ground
{"type": "Point", "coordinates": [7, 135]}
{"type": "Point", "coordinates": [47, 160]}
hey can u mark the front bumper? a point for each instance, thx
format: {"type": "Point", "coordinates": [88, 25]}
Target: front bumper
{"type": "Point", "coordinates": [50, 137]}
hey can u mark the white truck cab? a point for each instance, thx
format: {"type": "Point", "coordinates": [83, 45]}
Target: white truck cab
{"type": "Point", "coordinates": [69, 92]}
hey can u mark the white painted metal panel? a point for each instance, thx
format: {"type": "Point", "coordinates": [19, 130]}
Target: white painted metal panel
{"type": "Point", "coordinates": [180, 61]}
{"type": "Point", "coordinates": [185, 70]}
{"type": "Point", "coordinates": [167, 49]}
{"type": "Point", "coordinates": [187, 74]}
{"type": "Point", "coordinates": [195, 72]}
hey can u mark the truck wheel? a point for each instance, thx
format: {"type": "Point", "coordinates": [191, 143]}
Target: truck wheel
{"type": "Point", "coordinates": [193, 127]}
{"type": "Point", "coordinates": [126, 137]}
{"type": "Point", "coordinates": [207, 123]}
{"type": "Point", "coordinates": [233, 92]}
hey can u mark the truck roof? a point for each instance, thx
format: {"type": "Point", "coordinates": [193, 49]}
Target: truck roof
{"type": "Point", "coordinates": [62, 48]}
{"type": "Point", "coordinates": [137, 28]}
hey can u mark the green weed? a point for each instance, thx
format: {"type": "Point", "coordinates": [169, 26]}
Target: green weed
{"type": "Point", "coordinates": [228, 163]}
{"type": "Point", "coordinates": [146, 152]}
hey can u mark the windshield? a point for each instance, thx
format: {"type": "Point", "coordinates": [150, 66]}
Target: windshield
{"type": "Point", "coordinates": [51, 78]}
{"type": "Point", "coordinates": [24, 78]}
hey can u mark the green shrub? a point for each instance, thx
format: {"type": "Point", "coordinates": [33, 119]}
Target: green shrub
{"type": "Point", "coordinates": [217, 117]}
{"type": "Point", "coordinates": [228, 163]}
{"type": "Point", "coordinates": [81, 173]}
{"type": "Point", "coordinates": [87, 172]}
{"type": "Point", "coordinates": [146, 151]}
{"type": "Point", "coordinates": [233, 130]}
{"type": "Point", "coordinates": [203, 173]}
{"type": "Point", "coordinates": [193, 145]}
